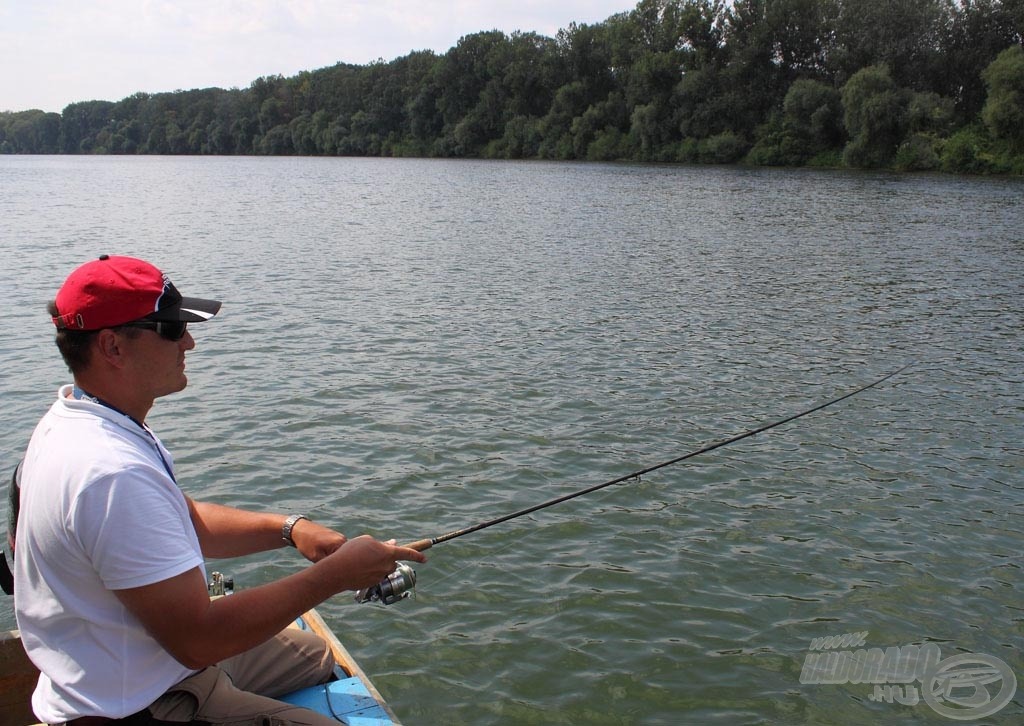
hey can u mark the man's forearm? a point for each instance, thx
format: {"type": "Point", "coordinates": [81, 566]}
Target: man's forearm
{"type": "Point", "coordinates": [230, 532]}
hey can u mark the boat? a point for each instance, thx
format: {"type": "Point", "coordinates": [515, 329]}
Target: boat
{"type": "Point", "coordinates": [351, 699]}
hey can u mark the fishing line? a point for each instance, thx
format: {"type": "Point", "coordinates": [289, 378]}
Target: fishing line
{"type": "Point", "coordinates": [398, 584]}
{"type": "Point", "coordinates": [425, 544]}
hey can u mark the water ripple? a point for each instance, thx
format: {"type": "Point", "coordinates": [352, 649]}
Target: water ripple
{"type": "Point", "coordinates": [408, 347]}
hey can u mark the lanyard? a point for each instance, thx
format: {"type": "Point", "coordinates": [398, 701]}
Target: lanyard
{"type": "Point", "coordinates": [81, 394]}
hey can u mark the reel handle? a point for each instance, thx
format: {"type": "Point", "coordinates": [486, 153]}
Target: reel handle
{"type": "Point", "coordinates": [420, 545]}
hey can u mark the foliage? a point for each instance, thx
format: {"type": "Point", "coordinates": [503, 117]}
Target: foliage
{"type": "Point", "coordinates": [1003, 113]}
{"type": "Point", "coordinates": [913, 85]}
{"type": "Point", "coordinates": [811, 123]}
{"type": "Point", "coordinates": [917, 153]}
{"type": "Point", "coordinates": [723, 148]}
{"type": "Point", "coordinates": [967, 151]}
{"type": "Point", "coordinates": [874, 114]}
{"type": "Point", "coordinates": [29, 132]}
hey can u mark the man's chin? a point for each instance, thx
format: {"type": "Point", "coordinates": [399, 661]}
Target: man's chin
{"type": "Point", "coordinates": [179, 386]}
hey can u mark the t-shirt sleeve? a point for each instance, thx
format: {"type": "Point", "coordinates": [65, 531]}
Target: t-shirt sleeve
{"type": "Point", "coordinates": [135, 529]}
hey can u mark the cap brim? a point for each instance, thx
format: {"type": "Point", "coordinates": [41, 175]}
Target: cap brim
{"type": "Point", "coordinates": [189, 310]}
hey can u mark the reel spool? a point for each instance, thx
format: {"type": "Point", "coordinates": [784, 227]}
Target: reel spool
{"type": "Point", "coordinates": [393, 588]}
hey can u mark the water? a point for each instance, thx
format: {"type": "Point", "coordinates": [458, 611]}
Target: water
{"type": "Point", "coordinates": [408, 347]}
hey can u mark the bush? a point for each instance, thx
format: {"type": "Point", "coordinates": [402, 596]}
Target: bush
{"type": "Point", "coordinates": [609, 145]}
{"type": "Point", "coordinates": [686, 151]}
{"type": "Point", "coordinates": [831, 159]}
{"type": "Point", "coordinates": [767, 152]}
{"type": "Point", "coordinates": [724, 148]}
{"type": "Point", "coordinates": [917, 153]}
{"type": "Point", "coordinates": [520, 140]}
{"type": "Point", "coordinates": [559, 147]}
{"type": "Point", "coordinates": [778, 148]}
{"type": "Point", "coordinates": [929, 113]}
{"type": "Point", "coordinates": [408, 147]}
{"type": "Point", "coordinates": [966, 152]}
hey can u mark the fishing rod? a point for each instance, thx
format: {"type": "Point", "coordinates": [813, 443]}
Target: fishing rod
{"type": "Point", "coordinates": [399, 583]}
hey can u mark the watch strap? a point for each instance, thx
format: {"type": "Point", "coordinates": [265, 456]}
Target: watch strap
{"type": "Point", "coordinates": [289, 524]}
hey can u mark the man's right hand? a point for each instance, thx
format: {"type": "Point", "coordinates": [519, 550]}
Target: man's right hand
{"type": "Point", "coordinates": [364, 561]}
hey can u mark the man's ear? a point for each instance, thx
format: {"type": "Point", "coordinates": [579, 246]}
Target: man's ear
{"type": "Point", "coordinates": [110, 347]}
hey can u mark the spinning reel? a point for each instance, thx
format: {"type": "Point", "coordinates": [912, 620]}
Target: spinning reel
{"type": "Point", "coordinates": [393, 588]}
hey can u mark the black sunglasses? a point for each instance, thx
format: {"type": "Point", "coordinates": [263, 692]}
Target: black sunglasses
{"type": "Point", "coordinates": [173, 330]}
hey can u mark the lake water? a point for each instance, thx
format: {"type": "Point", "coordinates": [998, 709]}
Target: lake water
{"type": "Point", "coordinates": [409, 347]}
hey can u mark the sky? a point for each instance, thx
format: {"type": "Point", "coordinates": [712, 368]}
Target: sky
{"type": "Point", "coordinates": [56, 52]}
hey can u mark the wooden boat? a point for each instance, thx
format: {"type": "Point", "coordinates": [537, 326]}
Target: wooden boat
{"type": "Point", "coordinates": [17, 680]}
{"type": "Point", "coordinates": [352, 699]}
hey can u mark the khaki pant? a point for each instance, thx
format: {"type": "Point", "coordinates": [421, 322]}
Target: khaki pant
{"type": "Point", "coordinates": [241, 691]}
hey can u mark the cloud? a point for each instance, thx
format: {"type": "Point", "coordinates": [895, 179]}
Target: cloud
{"type": "Point", "coordinates": [55, 52]}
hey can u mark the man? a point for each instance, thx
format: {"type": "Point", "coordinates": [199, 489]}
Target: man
{"type": "Point", "coordinates": [110, 588]}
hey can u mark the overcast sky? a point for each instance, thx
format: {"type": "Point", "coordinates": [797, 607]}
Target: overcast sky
{"type": "Point", "coordinates": [56, 52]}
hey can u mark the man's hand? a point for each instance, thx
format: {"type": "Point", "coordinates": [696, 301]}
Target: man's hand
{"type": "Point", "coordinates": [314, 541]}
{"type": "Point", "coordinates": [364, 562]}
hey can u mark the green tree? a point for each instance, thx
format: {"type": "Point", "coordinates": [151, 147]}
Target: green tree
{"type": "Point", "coordinates": [811, 124]}
{"type": "Point", "coordinates": [606, 122]}
{"type": "Point", "coordinates": [814, 114]}
{"type": "Point", "coordinates": [177, 141]}
{"type": "Point", "coordinates": [80, 122]}
{"type": "Point", "coordinates": [798, 30]}
{"type": "Point", "coordinates": [929, 113]}
{"type": "Point", "coordinates": [755, 80]}
{"type": "Point", "coordinates": [30, 132]}
{"type": "Point", "coordinates": [922, 84]}
{"type": "Point", "coordinates": [276, 142]}
{"type": "Point", "coordinates": [874, 113]}
{"type": "Point", "coordinates": [556, 126]}
{"type": "Point", "coordinates": [584, 53]}
{"type": "Point", "coordinates": [701, 104]}
{"type": "Point", "coordinates": [303, 134]}
{"type": "Point", "coordinates": [470, 117]}
{"type": "Point", "coordinates": [1003, 112]}
{"type": "Point", "coordinates": [905, 36]}
{"type": "Point", "coordinates": [978, 31]}
{"type": "Point", "coordinates": [272, 114]}
{"type": "Point", "coordinates": [699, 99]}
{"type": "Point", "coordinates": [520, 140]}
{"type": "Point", "coordinates": [650, 46]}
{"type": "Point", "coordinates": [156, 141]}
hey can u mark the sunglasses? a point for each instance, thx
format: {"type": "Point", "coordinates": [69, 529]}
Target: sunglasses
{"type": "Point", "coordinates": [173, 330]}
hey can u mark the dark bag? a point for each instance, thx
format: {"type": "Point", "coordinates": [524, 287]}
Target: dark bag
{"type": "Point", "coordinates": [13, 506]}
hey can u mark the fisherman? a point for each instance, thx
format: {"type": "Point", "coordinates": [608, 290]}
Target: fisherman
{"type": "Point", "coordinates": [110, 586]}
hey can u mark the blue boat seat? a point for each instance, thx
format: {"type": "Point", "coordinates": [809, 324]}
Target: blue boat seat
{"type": "Point", "coordinates": [347, 700]}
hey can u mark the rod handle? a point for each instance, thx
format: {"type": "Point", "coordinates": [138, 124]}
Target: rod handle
{"type": "Point", "coordinates": [420, 545]}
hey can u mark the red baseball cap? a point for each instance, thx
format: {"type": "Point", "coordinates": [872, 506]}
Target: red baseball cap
{"type": "Point", "coordinates": [114, 290]}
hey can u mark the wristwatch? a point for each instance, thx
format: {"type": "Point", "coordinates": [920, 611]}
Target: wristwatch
{"type": "Point", "coordinates": [289, 524]}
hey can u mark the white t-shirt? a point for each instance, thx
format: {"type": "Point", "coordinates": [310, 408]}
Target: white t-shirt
{"type": "Point", "coordinates": [100, 511]}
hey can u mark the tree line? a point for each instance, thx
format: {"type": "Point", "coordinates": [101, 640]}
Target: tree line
{"type": "Point", "coordinates": [905, 84]}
